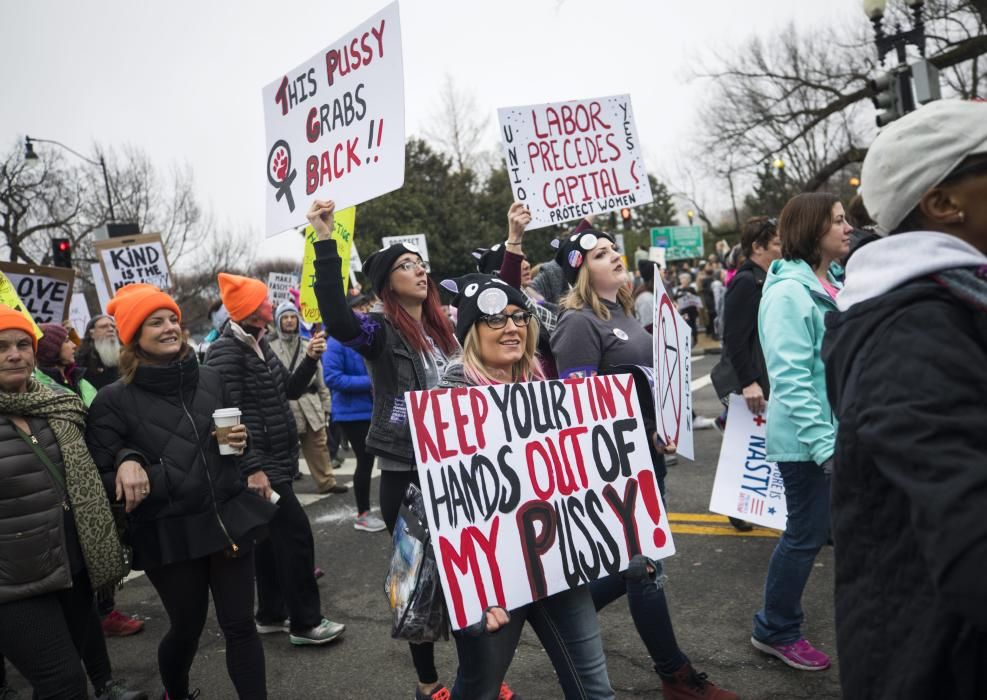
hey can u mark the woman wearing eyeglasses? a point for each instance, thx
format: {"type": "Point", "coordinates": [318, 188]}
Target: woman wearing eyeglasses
{"type": "Point", "coordinates": [407, 348]}
{"type": "Point", "coordinates": [597, 332]}
{"type": "Point", "coordinates": [499, 337]}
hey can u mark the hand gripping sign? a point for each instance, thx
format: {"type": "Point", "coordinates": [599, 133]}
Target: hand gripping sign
{"type": "Point", "coordinates": [534, 488]}
{"type": "Point", "coordinates": [334, 125]}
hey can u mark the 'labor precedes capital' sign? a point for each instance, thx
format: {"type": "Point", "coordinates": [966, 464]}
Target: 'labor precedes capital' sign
{"type": "Point", "coordinates": [567, 160]}
{"type": "Point", "coordinates": [335, 124]}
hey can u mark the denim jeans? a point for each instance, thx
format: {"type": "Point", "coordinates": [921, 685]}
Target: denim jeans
{"type": "Point", "coordinates": [806, 531]}
{"type": "Point", "coordinates": [566, 625]}
{"type": "Point", "coordinates": [649, 610]}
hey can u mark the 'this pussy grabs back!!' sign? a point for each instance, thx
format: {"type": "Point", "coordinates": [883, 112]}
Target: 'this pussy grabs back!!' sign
{"type": "Point", "coordinates": [534, 488]}
{"type": "Point", "coordinates": [335, 124]}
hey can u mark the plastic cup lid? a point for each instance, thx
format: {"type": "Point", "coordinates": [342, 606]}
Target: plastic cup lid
{"type": "Point", "coordinates": [226, 413]}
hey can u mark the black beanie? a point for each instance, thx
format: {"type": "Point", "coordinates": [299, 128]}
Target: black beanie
{"type": "Point", "coordinates": [378, 266]}
{"type": "Point", "coordinates": [573, 248]}
{"type": "Point", "coordinates": [480, 295]}
{"type": "Point", "coordinates": [489, 260]}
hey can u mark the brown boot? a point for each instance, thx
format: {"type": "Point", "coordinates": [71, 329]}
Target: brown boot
{"type": "Point", "coordinates": [686, 684]}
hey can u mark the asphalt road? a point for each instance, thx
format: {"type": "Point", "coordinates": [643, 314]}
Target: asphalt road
{"type": "Point", "coordinates": [715, 585]}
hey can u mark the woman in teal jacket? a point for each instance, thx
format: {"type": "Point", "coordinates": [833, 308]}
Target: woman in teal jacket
{"type": "Point", "coordinates": [799, 291]}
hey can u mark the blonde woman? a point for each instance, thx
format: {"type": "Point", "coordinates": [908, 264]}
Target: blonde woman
{"type": "Point", "coordinates": [499, 337]}
{"type": "Point", "coordinates": [598, 332]}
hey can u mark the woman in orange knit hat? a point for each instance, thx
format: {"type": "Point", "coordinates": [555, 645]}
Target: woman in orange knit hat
{"type": "Point", "coordinates": [58, 540]}
{"type": "Point", "coordinates": [191, 519]}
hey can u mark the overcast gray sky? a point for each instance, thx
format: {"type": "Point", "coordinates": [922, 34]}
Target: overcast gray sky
{"type": "Point", "coordinates": [182, 79]}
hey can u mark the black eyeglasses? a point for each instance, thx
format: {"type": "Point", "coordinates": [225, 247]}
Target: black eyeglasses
{"type": "Point", "coordinates": [495, 321]}
{"type": "Point", "coordinates": [410, 265]}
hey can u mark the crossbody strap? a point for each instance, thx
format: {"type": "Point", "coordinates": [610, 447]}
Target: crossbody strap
{"type": "Point", "coordinates": [32, 442]}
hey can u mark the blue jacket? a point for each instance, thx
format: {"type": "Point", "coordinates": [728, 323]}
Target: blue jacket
{"type": "Point", "coordinates": [346, 376]}
{"type": "Point", "coordinates": [801, 426]}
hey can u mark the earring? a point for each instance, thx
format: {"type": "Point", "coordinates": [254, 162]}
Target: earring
{"type": "Point", "coordinates": [962, 217]}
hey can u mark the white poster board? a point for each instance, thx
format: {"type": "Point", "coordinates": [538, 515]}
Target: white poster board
{"type": "Point", "coordinates": [46, 292]}
{"type": "Point", "coordinates": [334, 125]}
{"type": "Point", "coordinates": [102, 292]}
{"type": "Point", "coordinates": [747, 486]}
{"type": "Point", "coordinates": [673, 373]}
{"type": "Point", "coordinates": [518, 505]}
{"type": "Point", "coordinates": [567, 160]}
{"type": "Point", "coordinates": [133, 259]}
{"type": "Point", "coordinates": [356, 264]}
{"type": "Point", "coordinates": [278, 286]}
{"type": "Point", "coordinates": [657, 255]}
{"type": "Point", "coordinates": [415, 240]}
{"type": "Point", "coordinates": [79, 315]}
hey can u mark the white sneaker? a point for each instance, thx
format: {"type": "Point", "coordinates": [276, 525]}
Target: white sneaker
{"type": "Point", "coordinates": [702, 423]}
{"type": "Point", "coordinates": [274, 627]}
{"type": "Point", "coordinates": [368, 523]}
{"type": "Point", "coordinates": [326, 631]}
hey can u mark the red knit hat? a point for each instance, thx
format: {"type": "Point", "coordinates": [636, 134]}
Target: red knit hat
{"type": "Point", "coordinates": [133, 304]}
{"type": "Point", "coordinates": [50, 345]}
{"type": "Point", "coordinates": [15, 320]}
{"type": "Point", "coordinates": [241, 295]}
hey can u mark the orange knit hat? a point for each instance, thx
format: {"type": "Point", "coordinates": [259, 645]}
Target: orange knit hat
{"type": "Point", "coordinates": [15, 320]}
{"type": "Point", "coordinates": [133, 304]}
{"type": "Point", "coordinates": [241, 295]}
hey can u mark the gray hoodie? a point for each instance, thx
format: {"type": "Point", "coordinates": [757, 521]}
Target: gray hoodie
{"type": "Point", "coordinates": [883, 265]}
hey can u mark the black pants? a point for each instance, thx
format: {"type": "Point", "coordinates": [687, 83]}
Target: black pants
{"type": "Point", "coordinates": [184, 589]}
{"type": "Point", "coordinates": [285, 563]}
{"type": "Point", "coordinates": [43, 636]}
{"type": "Point", "coordinates": [356, 432]}
{"type": "Point", "coordinates": [392, 487]}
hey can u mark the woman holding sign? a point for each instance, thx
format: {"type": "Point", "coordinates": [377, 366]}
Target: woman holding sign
{"type": "Point", "coordinates": [499, 339]}
{"type": "Point", "coordinates": [407, 348]}
{"type": "Point", "coordinates": [597, 332]}
{"type": "Point", "coordinates": [190, 518]}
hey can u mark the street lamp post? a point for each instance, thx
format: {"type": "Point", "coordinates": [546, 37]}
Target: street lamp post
{"type": "Point", "coordinates": [31, 157]}
{"type": "Point", "coordinates": [901, 38]}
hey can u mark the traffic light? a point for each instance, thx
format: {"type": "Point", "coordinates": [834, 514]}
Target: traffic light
{"type": "Point", "coordinates": [61, 252]}
{"type": "Point", "coordinates": [887, 98]}
{"type": "Point", "coordinates": [625, 214]}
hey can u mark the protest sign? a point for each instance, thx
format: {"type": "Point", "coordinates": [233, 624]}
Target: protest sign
{"type": "Point", "coordinates": [356, 264]}
{"type": "Point", "coordinates": [339, 119]}
{"type": "Point", "coordinates": [657, 255]}
{"type": "Point", "coordinates": [673, 373]}
{"type": "Point", "coordinates": [133, 259]}
{"type": "Point", "coordinates": [415, 240]}
{"type": "Point", "coordinates": [534, 488]}
{"type": "Point", "coordinates": [46, 292]}
{"type": "Point", "coordinates": [8, 297]}
{"type": "Point", "coordinates": [102, 292]}
{"type": "Point", "coordinates": [567, 160]}
{"type": "Point", "coordinates": [342, 233]}
{"type": "Point", "coordinates": [747, 486]}
{"type": "Point", "coordinates": [79, 315]}
{"type": "Point", "coordinates": [278, 286]}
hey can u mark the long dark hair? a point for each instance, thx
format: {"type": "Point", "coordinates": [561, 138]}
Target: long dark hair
{"type": "Point", "coordinates": [434, 322]}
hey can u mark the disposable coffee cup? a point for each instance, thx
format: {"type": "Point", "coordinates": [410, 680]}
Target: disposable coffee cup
{"type": "Point", "coordinates": [225, 419]}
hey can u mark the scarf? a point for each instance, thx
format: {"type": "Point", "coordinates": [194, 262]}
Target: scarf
{"type": "Point", "coordinates": [968, 284]}
{"type": "Point", "coordinates": [66, 416]}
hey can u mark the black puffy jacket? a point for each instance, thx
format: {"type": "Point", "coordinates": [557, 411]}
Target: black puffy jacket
{"type": "Point", "coordinates": [199, 503]}
{"type": "Point", "coordinates": [907, 378]}
{"type": "Point", "coordinates": [261, 390]}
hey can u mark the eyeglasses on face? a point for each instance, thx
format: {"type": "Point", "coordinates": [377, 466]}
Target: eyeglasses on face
{"type": "Point", "coordinates": [411, 265]}
{"type": "Point", "coordinates": [495, 321]}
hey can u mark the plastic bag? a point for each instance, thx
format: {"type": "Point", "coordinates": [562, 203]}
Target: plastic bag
{"type": "Point", "coordinates": [412, 586]}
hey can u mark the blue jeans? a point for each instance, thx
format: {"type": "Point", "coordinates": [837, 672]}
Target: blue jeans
{"type": "Point", "coordinates": [566, 625]}
{"type": "Point", "coordinates": [806, 531]}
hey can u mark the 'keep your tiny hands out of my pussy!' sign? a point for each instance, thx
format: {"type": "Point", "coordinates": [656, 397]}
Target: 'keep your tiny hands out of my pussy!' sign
{"type": "Point", "coordinates": [534, 488]}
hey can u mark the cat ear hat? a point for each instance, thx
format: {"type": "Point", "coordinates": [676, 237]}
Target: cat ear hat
{"type": "Point", "coordinates": [572, 250]}
{"type": "Point", "coordinates": [478, 295]}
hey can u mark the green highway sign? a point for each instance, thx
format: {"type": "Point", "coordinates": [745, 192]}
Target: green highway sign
{"type": "Point", "coordinates": [679, 242]}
